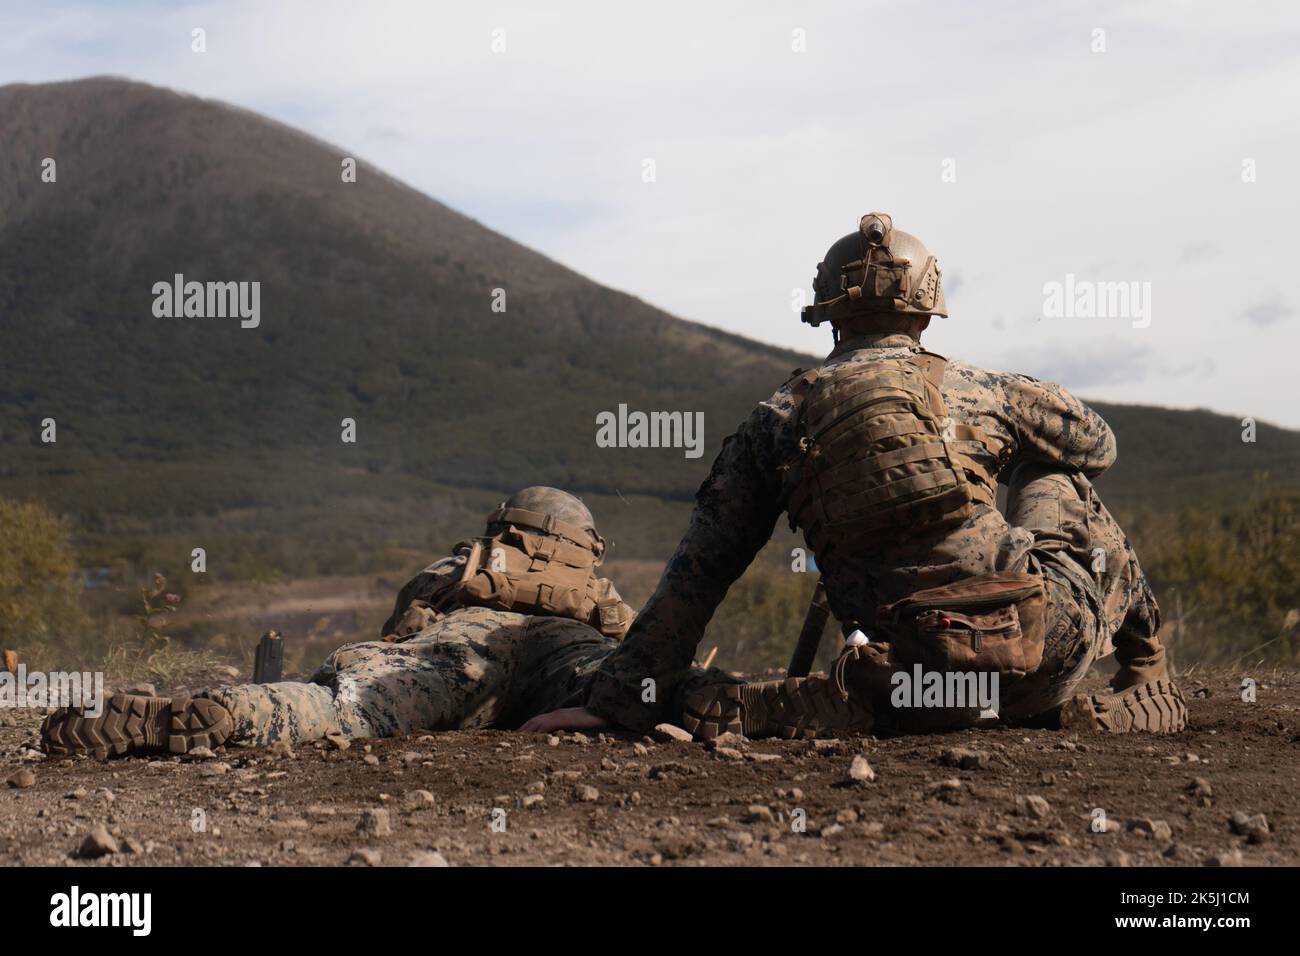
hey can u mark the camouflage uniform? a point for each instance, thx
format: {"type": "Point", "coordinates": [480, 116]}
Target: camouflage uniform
{"type": "Point", "coordinates": [513, 624]}
{"type": "Point", "coordinates": [469, 667]}
{"type": "Point", "coordinates": [1051, 444]}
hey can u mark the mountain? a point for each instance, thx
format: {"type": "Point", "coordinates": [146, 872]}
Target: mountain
{"type": "Point", "coordinates": [376, 305]}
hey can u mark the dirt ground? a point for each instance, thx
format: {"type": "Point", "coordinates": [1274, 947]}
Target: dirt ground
{"type": "Point", "coordinates": [499, 798]}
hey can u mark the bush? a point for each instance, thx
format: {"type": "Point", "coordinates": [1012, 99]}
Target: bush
{"type": "Point", "coordinates": [1229, 584]}
{"type": "Point", "coordinates": [40, 610]}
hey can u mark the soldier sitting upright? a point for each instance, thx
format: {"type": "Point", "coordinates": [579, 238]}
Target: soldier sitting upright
{"type": "Point", "coordinates": [888, 458]}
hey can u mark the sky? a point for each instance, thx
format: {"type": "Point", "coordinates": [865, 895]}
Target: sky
{"type": "Point", "coordinates": [704, 155]}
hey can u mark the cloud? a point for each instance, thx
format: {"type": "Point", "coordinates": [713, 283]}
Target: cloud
{"type": "Point", "coordinates": [1269, 312]}
{"type": "Point", "coordinates": [1088, 367]}
{"type": "Point", "coordinates": [952, 284]}
{"type": "Point", "coordinates": [1197, 251]}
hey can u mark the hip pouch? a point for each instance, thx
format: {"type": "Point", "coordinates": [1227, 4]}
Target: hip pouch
{"type": "Point", "coordinates": [991, 622]}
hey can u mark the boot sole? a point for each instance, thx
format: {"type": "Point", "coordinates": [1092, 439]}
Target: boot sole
{"type": "Point", "coordinates": [1157, 707]}
{"type": "Point", "coordinates": [131, 724]}
{"type": "Point", "coordinates": [796, 707]}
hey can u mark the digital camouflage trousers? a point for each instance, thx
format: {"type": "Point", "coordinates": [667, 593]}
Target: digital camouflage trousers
{"type": "Point", "coordinates": [474, 668]}
{"type": "Point", "coordinates": [1099, 601]}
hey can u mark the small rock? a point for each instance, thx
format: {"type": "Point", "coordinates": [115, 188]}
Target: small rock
{"type": "Point", "coordinates": [1157, 829]}
{"type": "Point", "coordinates": [532, 800]}
{"type": "Point", "coordinates": [1226, 858]}
{"type": "Point", "coordinates": [948, 790]}
{"type": "Point", "coordinates": [669, 768]}
{"type": "Point", "coordinates": [1117, 858]}
{"type": "Point", "coordinates": [281, 749]}
{"type": "Point", "coordinates": [76, 794]}
{"type": "Point", "coordinates": [133, 846]}
{"type": "Point", "coordinates": [200, 753]}
{"type": "Point", "coordinates": [1033, 806]}
{"type": "Point", "coordinates": [339, 741]}
{"type": "Point", "coordinates": [847, 816]}
{"type": "Point", "coordinates": [21, 780]}
{"type": "Point", "coordinates": [97, 843]}
{"type": "Point", "coordinates": [1253, 827]}
{"type": "Point", "coordinates": [419, 799]}
{"type": "Point", "coordinates": [640, 749]}
{"type": "Point", "coordinates": [374, 823]}
{"type": "Point", "coordinates": [366, 857]}
{"type": "Point", "coordinates": [833, 830]}
{"type": "Point", "coordinates": [552, 741]}
{"type": "Point", "coordinates": [727, 739]}
{"type": "Point", "coordinates": [428, 858]}
{"type": "Point", "coordinates": [860, 771]}
{"type": "Point", "coordinates": [371, 760]}
{"type": "Point", "coordinates": [728, 753]}
{"type": "Point", "coordinates": [1200, 788]}
{"type": "Point", "coordinates": [580, 739]}
{"type": "Point", "coordinates": [965, 758]}
{"type": "Point", "coordinates": [214, 769]}
{"type": "Point", "coordinates": [667, 732]}
{"type": "Point", "coordinates": [586, 794]}
{"type": "Point", "coordinates": [758, 813]}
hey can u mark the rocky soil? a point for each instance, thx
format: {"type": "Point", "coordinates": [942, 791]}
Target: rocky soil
{"type": "Point", "coordinates": [1223, 793]}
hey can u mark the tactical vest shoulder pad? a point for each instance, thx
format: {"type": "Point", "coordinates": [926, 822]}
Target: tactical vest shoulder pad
{"type": "Point", "coordinates": [539, 574]}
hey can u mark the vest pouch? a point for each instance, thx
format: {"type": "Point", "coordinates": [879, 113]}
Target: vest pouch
{"type": "Point", "coordinates": [991, 622]}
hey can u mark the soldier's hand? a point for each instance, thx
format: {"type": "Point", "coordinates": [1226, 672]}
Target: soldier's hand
{"type": "Point", "coordinates": [566, 718]}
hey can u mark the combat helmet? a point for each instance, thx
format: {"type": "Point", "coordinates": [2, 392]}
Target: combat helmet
{"type": "Point", "coordinates": [876, 269]}
{"type": "Point", "coordinates": [552, 512]}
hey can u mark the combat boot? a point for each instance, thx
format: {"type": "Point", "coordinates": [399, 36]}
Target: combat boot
{"type": "Point", "coordinates": [133, 724]}
{"type": "Point", "coordinates": [796, 707]}
{"type": "Point", "coordinates": [1155, 707]}
{"type": "Point", "coordinates": [1143, 663]}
